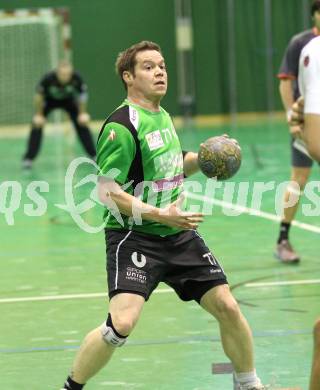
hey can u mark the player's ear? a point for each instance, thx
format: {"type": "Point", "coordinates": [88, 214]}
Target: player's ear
{"type": "Point", "coordinates": [127, 77]}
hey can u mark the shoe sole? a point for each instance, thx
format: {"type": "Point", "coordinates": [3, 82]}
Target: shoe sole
{"type": "Point", "coordinates": [294, 261]}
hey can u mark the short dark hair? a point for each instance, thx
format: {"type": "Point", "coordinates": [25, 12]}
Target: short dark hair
{"type": "Point", "coordinates": [126, 60]}
{"type": "Point", "coordinates": [315, 6]}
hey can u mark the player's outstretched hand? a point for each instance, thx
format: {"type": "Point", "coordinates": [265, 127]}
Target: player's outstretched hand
{"type": "Point", "coordinates": [38, 120]}
{"type": "Point", "coordinates": [172, 215]}
{"type": "Point", "coordinates": [296, 131]}
{"type": "Point", "coordinates": [84, 118]}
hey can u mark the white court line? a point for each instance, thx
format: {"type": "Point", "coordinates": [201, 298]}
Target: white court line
{"type": "Point", "coordinates": [254, 212]}
{"type": "Point", "coordinates": [70, 296]}
{"type": "Point", "coordinates": [284, 283]}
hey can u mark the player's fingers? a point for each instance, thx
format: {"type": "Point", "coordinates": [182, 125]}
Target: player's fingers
{"type": "Point", "coordinates": [297, 108]}
{"type": "Point", "coordinates": [193, 226]}
{"type": "Point", "coordinates": [235, 141]}
{"type": "Point", "coordinates": [300, 101]}
{"type": "Point", "coordinates": [189, 226]}
{"type": "Point", "coordinates": [296, 119]}
{"type": "Point", "coordinates": [295, 129]}
{"type": "Point", "coordinates": [195, 219]}
{"type": "Point", "coordinates": [202, 145]}
{"type": "Point", "coordinates": [189, 214]}
{"type": "Point", "coordinates": [38, 120]}
{"type": "Point", "coordinates": [297, 115]}
{"type": "Point", "coordinates": [297, 134]}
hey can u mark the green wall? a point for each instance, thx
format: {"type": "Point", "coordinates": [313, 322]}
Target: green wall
{"type": "Point", "coordinates": [212, 57]}
{"type": "Point", "coordinates": [102, 28]}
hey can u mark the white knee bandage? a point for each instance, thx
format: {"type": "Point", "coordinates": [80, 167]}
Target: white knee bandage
{"type": "Point", "coordinates": [110, 336]}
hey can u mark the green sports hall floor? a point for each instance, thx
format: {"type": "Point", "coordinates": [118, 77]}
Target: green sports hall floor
{"type": "Point", "coordinates": [53, 282]}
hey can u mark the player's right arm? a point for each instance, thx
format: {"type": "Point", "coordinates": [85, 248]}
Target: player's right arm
{"type": "Point", "coordinates": [38, 118]}
{"type": "Point", "coordinates": [287, 74]}
{"type": "Point", "coordinates": [111, 194]}
{"type": "Point", "coordinates": [82, 98]}
{"type": "Point", "coordinates": [115, 153]}
{"type": "Point", "coordinates": [286, 94]}
{"type": "Point", "coordinates": [39, 102]}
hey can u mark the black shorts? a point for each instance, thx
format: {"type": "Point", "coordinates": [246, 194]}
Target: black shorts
{"type": "Point", "coordinates": [70, 106]}
{"type": "Point", "coordinates": [299, 159]}
{"type": "Point", "coordinates": [137, 262]}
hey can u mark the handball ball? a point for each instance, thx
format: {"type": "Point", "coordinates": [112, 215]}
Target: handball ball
{"type": "Point", "coordinates": [219, 157]}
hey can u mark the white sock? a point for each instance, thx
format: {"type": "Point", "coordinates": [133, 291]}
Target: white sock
{"type": "Point", "coordinates": [247, 378]}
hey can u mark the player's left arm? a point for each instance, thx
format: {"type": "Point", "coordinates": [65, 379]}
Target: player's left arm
{"type": "Point", "coordinates": [82, 98]}
{"type": "Point", "coordinates": [82, 104]}
{"type": "Point", "coordinates": [83, 101]}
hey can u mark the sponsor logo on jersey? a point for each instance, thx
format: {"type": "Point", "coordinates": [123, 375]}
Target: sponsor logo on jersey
{"type": "Point", "coordinates": [168, 183]}
{"type": "Point", "coordinates": [169, 163]}
{"type": "Point", "coordinates": [154, 140]}
{"type": "Point", "coordinates": [134, 117]}
{"type": "Point", "coordinates": [112, 135]}
{"type": "Point", "coordinates": [306, 61]}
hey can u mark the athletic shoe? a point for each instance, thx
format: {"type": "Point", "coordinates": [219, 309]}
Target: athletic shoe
{"type": "Point", "coordinates": [285, 253]}
{"type": "Point", "coordinates": [258, 386]}
{"type": "Point", "coordinates": [26, 163]}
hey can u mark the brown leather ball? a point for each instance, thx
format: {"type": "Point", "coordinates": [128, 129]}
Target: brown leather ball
{"type": "Point", "coordinates": [219, 157]}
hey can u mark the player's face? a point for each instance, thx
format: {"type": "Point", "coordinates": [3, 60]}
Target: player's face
{"type": "Point", "coordinates": [64, 74]}
{"type": "Point", "coordinates": [150, 75]}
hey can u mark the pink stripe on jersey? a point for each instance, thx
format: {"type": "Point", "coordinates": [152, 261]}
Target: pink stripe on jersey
{"type": "Point", "coordinates": [167, 184]}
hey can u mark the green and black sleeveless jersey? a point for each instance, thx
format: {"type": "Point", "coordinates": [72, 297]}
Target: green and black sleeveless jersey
{"type": "Point", "coordinates": [53, 91]}
{"type": "Point", "coordinates": [141, 151]}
